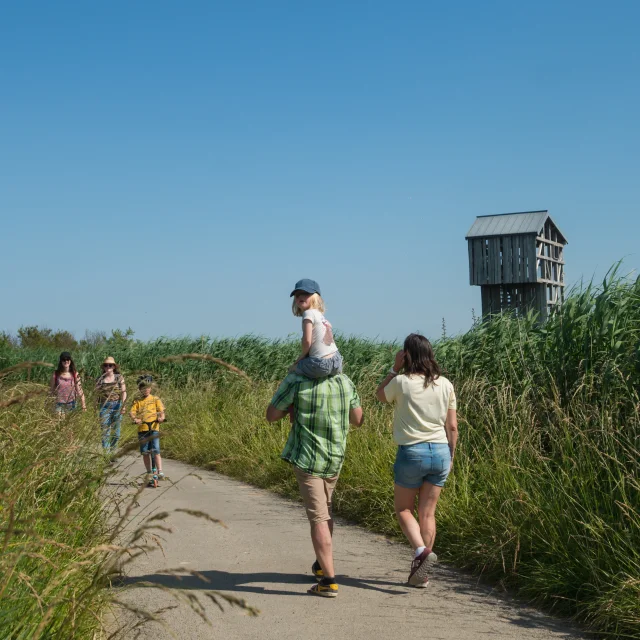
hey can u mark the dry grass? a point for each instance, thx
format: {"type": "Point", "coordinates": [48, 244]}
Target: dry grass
{"type": "Point", "coordinates": [207, 358]}
{"type": "Point", "coordinates": [61, 552]}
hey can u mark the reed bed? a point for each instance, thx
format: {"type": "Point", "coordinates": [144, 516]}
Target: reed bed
{"type": "Point", "coordinates": [64, 538]}
{"type": "Point", "coordinates": [544, 498]}
{"type": "Point", "coordinates": [547, 509]}
{"type": "Point", "coordinates": [50, 519]}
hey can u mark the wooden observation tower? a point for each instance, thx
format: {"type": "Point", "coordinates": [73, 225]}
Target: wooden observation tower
{"type": "Point", "coordinates": [518, 261]}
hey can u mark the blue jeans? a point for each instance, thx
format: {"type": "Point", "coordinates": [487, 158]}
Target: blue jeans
{"type": "Point", "coordinates": [65, 407]}
{"type": "Point", "coordinates": [419, 463]}
{"type": "Point", "coordinates": [110, 418]}
{"type": "Point", "coordinates": [320, 367]}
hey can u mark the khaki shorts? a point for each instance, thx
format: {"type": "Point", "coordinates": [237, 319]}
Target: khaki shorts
{"type": "Point", "coordinates": [316, 494]}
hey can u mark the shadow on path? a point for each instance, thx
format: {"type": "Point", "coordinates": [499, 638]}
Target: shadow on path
{"type": "Point", "coordinates": [517, 611]}
{"type": "Point", "coordinates": [250, 582]}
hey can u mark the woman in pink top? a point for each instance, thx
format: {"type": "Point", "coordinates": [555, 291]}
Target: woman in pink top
{"type": "Point", "coordinates": [425, 428]}
{"type": "Point", "coordinates": [65, 385]}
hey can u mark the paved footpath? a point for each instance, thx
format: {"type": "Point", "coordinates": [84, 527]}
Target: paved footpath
{"type": "Point", "coordinates": [264, 556]}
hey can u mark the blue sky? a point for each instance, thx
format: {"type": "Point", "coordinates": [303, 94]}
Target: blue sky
{"type": "Point", "coordinates": [176, 167]}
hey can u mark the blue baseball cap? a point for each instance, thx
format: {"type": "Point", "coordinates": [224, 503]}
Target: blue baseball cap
{"type": "Point", "coordinates": [310, 286]}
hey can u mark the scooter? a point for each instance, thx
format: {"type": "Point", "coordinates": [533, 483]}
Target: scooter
{"type": "Point", "coordinates": [154, 480]}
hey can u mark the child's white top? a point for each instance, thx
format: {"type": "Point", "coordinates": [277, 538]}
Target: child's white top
{"type": "Point", "coordinates": [322, 343]}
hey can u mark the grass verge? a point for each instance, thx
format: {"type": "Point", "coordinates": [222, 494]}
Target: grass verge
{"type": "Point", "coordinates": [63, 536]}
{"type": "Point", "coordinates": [51, 521]}
{"type": "Point", "coordinates": [543, 502]}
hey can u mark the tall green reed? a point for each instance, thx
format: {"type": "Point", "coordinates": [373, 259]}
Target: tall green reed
{"type": "Point", "coordinates": [543, 502]}
{"type": "Point", "coordinates": [544, 497]}
{"type": "Point", "coordinates": [51, 522]}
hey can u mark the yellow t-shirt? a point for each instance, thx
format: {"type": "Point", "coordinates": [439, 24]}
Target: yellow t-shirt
{"type": "Point", "coordinates": [147, 410]}
{"type": "Point", "coordinates": [420, 413]}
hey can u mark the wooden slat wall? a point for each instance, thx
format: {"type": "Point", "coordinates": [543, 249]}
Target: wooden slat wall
{"type": "Point", "coordinates": [478, 254]}
{"type": "Point", "coordinates": [507, 245]}
{"type": "Point", "coordinates": [493, 257]}
{"type": "Point", "coordinates": [519, 297]}
{"type": "Point", "coordinates": [472, 261]}
{"type": "Point", "coordinates": [517, 259]}
{"type": "Point", "coordinates": [496, 276]}
{"type": "Point", "coordinates": [532, 274]}
{"type": "Point", "coordinates": [506, 268]}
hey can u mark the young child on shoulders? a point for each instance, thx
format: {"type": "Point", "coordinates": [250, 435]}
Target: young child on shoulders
{"type": "Point", "coordinates": [148, 413]}
{"type": "Point", "coordinates": [320, 356]}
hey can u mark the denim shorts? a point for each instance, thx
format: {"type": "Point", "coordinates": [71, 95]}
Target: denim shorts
{"type": "Point", "coordinates": [152, 445]}
{"type": "Point", "coordinates": [419, 463]}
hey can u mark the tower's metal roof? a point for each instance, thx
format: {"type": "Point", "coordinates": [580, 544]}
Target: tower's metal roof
{"type": "Point", "coordinates": [509, 224]}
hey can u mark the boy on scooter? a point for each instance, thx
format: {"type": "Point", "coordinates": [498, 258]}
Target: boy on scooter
{"type": "Point", "coordinates": [148, 412]}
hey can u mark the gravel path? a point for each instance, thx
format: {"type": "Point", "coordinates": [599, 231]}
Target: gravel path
{"type": "Point", "coordinates": [264, 556]}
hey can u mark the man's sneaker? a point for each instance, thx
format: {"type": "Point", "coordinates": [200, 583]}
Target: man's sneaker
{"type": "Point", "coordinates": [326, 588]}
{"type": "Point", "coordinates": [317, 571]}
{"type": "Point", "coordinates": [420, 567]}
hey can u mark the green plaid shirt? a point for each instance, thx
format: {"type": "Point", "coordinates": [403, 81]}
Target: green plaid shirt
{"type": "Point", "coordinates": [318, 436]}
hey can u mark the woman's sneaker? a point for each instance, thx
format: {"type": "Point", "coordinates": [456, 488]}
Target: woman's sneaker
{"type": "Point", "coordinates": [326, 588]}
{"type": "Point", "coordinates": [419, 568]}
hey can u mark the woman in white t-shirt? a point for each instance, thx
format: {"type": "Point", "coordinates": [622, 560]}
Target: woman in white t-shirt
{"type": "Point", "coordinates": [320, 356]}
{"type": "Point", "coordinates": [425, 428]}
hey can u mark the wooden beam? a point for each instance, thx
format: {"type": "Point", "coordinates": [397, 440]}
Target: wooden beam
{"type": "Point", "coordinates": [551, 242]}
{"type": "Point", "coordinates": [553, 282]}
{"type": "Point", "coordinates": [551, 259]}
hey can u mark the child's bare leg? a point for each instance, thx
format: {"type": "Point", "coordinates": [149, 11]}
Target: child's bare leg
{"type": "Point", "coordinates": [158, 462]}
{"type": "Point", "coordinates": [146, 457]}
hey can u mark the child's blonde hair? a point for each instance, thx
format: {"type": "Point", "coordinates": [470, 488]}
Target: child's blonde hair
{"type": "Point", "coordinates": [315, 302]}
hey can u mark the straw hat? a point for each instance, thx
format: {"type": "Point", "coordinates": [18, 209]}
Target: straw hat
{"type": "Point", "coordinates": [110, 360]}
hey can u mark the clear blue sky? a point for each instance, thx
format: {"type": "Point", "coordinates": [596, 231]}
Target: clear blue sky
{"type": "Point", "coordinates": [176, 167]}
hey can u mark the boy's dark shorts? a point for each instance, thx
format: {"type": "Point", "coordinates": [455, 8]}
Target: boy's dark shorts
{"type": "Point", "coordinates": [152, 444]}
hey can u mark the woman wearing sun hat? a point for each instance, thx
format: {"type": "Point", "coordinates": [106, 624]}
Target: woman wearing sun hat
{"type": "Point", "coordinates": [111, 393]}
